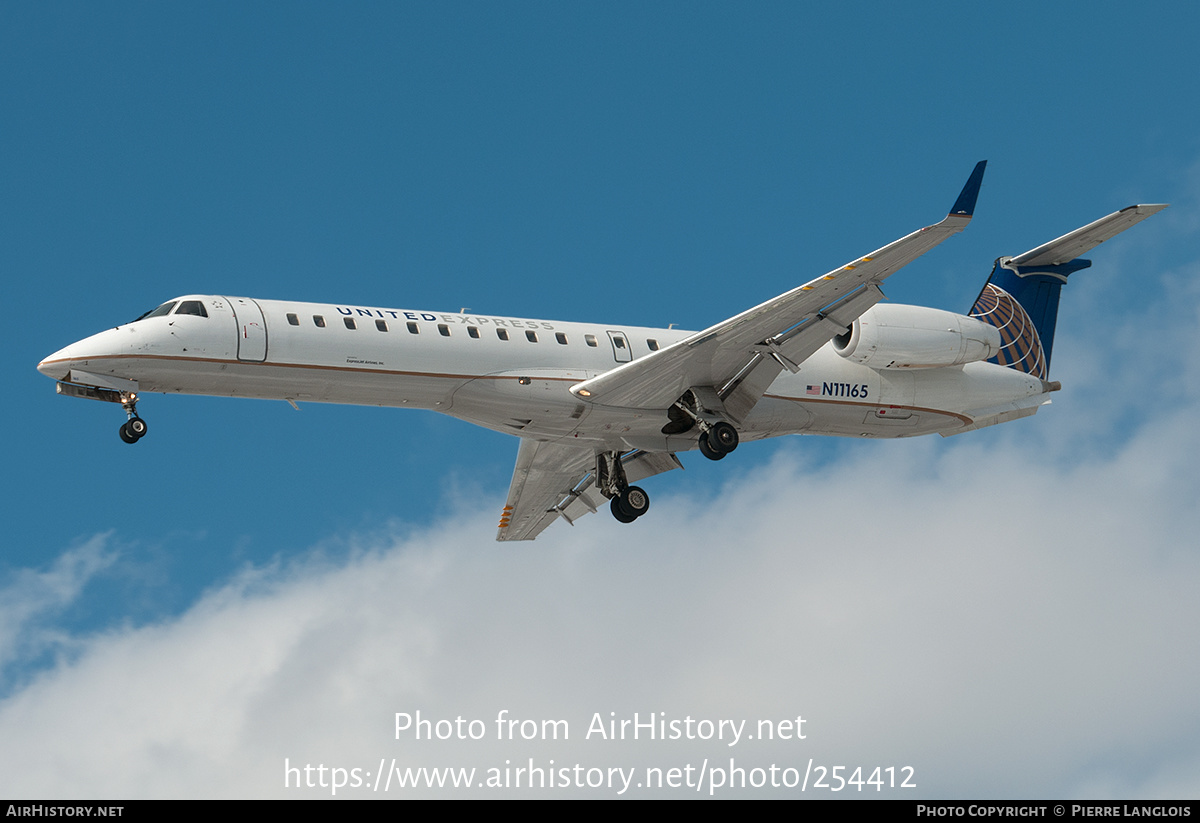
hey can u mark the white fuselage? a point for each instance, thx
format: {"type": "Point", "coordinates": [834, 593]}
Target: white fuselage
{"type": "Point", "coordinates": [510, 374]}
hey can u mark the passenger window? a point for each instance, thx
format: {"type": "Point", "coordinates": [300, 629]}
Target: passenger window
{"type": "Point", "coordinates": [350, 324]}
{"type": "Point", "coordinates": [653, 344]}
{"type": "Point", "coordinates": [502, 334]}
{"type": "Point", "coordinates": [531, 336]}
{"type": "Point", "coordinates": [443, 330]}
{"type": "Point", "coordinates": [193, 307]}
{"type": "Point", "coordinates": [293, 320]}
{"type": "Point", "coordinates": [560, 337]}
{"type": "Point", "coordinates": [590, 339]}
{"type": "Point", "coordinates": [472, 332]}
{"type": "Point", "coordinates": [619, 342]}
{"type": "Point", "coordinates": [381, 325]}
{"type": "Point", "coordinates": [318, 321]}
{"type": "Point", "coordinates": [413, 328]}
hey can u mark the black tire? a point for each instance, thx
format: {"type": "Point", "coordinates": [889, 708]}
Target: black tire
{"type": "Point", "coordinates": [137, 427]}
{"type": "Point", "coordinates": [126, 435]}
{"type": "Point", "coordinates": [634, 502]}
{"type": "Point", "coordinates": [617, 512]}
{"type": "Point", "coordinates": [707, 450]}
{"type": "Point", "coordinates": [724, 436]}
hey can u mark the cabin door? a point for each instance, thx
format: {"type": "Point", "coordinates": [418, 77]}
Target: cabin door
{"type": "Point", "coordinates": [251, 329]}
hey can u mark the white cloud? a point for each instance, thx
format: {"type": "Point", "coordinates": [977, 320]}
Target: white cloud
{"type": "Point", "coordinates": [31, 597]}
{"type": "Point", "coordinates": [1006, 627]}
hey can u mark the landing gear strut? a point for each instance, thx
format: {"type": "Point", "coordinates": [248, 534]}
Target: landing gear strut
{"type": "Point", "coordinates": [133, 429]}
{"type": "Point", "coordinates": [627, 502]}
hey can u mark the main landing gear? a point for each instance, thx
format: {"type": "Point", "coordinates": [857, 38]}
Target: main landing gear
{"type": "Point", "coordinates": [717, 437]}
{"type": "Point", "coordinates": [626, 502]}
{"type": "Point", "coordinates": [720, 439]}
{"type": "Point", "coordinates": [630, 504]}
{"type": "Point", "coordinates": [133, 429]}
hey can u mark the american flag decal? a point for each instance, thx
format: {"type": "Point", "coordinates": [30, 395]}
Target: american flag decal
{"type": "Point", "coordinates": [813, 390]}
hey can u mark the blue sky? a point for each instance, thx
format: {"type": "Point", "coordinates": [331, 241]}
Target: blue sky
{"type": "Point", "coordinates": [636, 163]}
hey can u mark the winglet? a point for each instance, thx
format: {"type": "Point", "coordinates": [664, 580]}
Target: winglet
{"type": "Point", "coordinates": [965, 204]}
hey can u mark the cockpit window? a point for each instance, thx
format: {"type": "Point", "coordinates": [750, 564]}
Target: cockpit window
{"type": "Point", "coordinates": [162, 310]}
{"type": "Point", "coordinates": [192, 307]}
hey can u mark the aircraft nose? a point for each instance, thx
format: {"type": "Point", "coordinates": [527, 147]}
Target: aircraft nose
{"type": "Point", "coordinates": [56, 365]}
{"type": "Point", "coordinates": [109, 343]}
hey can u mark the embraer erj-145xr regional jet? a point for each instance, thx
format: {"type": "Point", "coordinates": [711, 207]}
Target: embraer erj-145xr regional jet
{"type": "Point", "coordinates": [599, 407]}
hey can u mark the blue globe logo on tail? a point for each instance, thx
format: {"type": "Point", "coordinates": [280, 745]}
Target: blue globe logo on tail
{"type": "Point", "coordinates": [1022, 302]}
{"type": "Point", "coordinates": [1020, 343]}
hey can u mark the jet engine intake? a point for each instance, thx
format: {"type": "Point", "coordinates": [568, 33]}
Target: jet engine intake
{"type": "Point", "coordinates": [914, 337]}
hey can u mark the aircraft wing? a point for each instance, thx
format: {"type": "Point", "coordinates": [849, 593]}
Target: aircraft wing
{"type": "Point", "coordinates": [741, 356]}
{"type": "Point", "coordinates": [1081, 241]}
{"type": "Point", "coordinates": [552, 480]}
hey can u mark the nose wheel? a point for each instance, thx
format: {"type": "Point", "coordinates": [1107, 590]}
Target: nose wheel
{"type": "Point", "coordinates": [133, 429]}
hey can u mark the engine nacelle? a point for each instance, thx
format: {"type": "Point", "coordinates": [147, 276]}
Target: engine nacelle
{"type": "Point", "coordinates": [889, 336]}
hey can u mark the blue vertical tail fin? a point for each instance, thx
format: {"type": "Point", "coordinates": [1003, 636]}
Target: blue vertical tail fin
{"type": "Point", "coordinates": [1020, 298]}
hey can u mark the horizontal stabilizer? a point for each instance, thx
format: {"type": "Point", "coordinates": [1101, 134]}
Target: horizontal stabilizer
{"type": "Point", "coordinates": [1020, 298]}
{"type": "Point", "coordinates": [1081, 241]}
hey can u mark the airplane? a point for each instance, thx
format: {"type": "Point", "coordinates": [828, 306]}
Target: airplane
{"type": "Point", "coordinates": [600, 407]}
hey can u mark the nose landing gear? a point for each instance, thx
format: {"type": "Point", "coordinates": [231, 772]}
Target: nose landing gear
{"type": "Point", "coordinates": [133, 429]}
